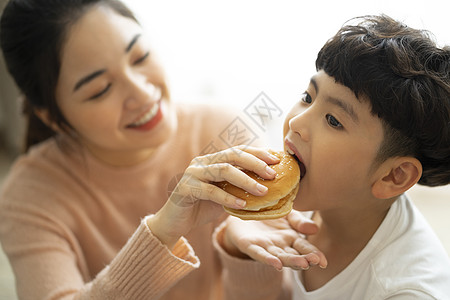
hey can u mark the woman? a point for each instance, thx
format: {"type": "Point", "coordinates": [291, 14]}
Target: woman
{"type": "Point", "coordinates": [82, 212]}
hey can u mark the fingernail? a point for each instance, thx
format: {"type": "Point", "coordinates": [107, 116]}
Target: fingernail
{"type": "Point", "coordinates": [273, 157]}
{"type": "Point", "coordinates": [270, 171]}
{"type": "Point", "coordinates": [241, 203]}
{"type": "Point", "coordinates": [261, 188]}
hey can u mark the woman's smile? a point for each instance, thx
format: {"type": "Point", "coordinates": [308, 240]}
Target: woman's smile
{"type": "Point", "coordinates": [149, 119]}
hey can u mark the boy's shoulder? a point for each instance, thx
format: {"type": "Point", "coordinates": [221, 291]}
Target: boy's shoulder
{"type": "Point", "coordinates": [407, 254]}
{"type": "Point", "coordinates": [404, 258]}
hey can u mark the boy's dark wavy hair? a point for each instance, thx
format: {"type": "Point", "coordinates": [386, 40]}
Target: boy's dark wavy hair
{"type": "Point", "coordinates": [406, 78]}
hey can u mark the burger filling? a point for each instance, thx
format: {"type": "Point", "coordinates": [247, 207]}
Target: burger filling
{"type": "Point", "coordinates": [280, 203]}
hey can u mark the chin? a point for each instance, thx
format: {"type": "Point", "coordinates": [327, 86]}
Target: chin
{"type": "Point", "coordinates": [166, 128]}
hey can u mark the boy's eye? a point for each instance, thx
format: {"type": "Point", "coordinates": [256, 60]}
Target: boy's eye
{"type": "Point", "coordinates": [141, 59]}
{"type": "Point", "coordinates": [333, 122]}
{"type": "Point", "coordinates": [306, 98]}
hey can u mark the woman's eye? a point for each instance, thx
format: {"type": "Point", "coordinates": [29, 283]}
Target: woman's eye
{"type": "Point", "coordinates": [333, 122]}
{"type": "Point", "coordinates": [98, 95]}
{"type": "Point", "coordinates": [141, 59]}
{"type": "Point", "coordinates": [306, 98]}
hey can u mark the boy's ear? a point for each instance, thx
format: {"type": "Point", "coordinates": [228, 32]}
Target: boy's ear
{"type": "Point", "coordinates": [396, 176]}
{"type": "Point", "coordinates": [43, 115]}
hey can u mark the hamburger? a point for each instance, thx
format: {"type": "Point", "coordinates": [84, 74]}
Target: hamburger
{"type": "Point", "coordinates": [280, 196]}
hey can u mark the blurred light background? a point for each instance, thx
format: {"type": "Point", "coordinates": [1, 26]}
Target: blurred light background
{"type": "Point", "coordinates": [228, 52]}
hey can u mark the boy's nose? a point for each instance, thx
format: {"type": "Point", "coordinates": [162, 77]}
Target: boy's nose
{"type": "Point", "coordinates": [300, 125]}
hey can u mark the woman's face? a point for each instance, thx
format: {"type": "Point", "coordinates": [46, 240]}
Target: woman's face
{"type": "Point", "coordinates": [111, 90]}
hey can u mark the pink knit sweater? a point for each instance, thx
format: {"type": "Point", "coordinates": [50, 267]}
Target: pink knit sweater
{"type": "Point", "coordinates": [74, 228]}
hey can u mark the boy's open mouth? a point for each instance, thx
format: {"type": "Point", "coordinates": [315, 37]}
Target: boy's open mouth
{"type": "Point", "coordinates": [302, 167]}
{"type": "Point", "coordinates": [300, 163]}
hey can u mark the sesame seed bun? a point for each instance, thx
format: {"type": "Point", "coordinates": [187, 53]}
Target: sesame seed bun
{"type": "Point", "coordinates": [281, 194]}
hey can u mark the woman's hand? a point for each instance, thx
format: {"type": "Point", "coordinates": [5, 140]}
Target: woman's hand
{"type": "Point", "coordinates": [186, 208]}
{"type": "Point", "coordinates": [279, 243]}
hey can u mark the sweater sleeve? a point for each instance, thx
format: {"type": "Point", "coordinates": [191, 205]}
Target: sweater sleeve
{"type": "Point", "coordinates": [246, 278]}
{"type": "Point", "coordinates": [143, 269]}
{"type": "Point", "coordinates": [46, 266]}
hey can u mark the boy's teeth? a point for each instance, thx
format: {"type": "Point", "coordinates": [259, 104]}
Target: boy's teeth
{"type": "Point", "coordinates": [290, 151]}
{"type": "Point", "coordinates": [148, 116]}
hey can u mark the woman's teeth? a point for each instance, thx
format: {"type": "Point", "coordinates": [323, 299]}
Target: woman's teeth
{"type": "Point", "coordinates": [290, 151]}
{"type": "Point", "coordinates": [147, 117]}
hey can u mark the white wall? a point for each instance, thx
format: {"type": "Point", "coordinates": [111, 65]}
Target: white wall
{"type": "Point", "coordinates": [230, 51]}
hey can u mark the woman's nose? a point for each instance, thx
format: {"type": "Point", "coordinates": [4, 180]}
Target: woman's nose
{"type": "Point", "coordinates": [139, 91]}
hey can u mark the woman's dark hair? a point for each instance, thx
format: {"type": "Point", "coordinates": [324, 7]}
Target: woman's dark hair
{"type": "Point", "coordinates": [406, 78]}
{"type": "Point", "coordinates": [32, 35]}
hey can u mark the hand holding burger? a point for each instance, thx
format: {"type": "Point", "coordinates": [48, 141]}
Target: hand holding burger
{"type": "Point", "coordinates": [280, 196]}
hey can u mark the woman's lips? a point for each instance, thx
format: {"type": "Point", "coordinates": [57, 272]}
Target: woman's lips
{"type": "Point", "coordinates": [150, 114]}
{"type": "Point", "coordinates": [291, 149]}
{"type": "Point", "coordinates": [149, 119]}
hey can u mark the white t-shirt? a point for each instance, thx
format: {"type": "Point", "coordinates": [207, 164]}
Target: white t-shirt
{"type": "Point", "coordinates": [403, 260]}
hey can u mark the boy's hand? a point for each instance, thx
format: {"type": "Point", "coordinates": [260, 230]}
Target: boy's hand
{"type": "Point", "coordinates": [279, 243]}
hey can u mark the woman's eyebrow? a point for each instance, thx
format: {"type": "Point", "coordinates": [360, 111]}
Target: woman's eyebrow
{"type": "Point", "coordinates": [133, 41]}
{"type": "Point", "coordinates": [87, 79]}
{"type": "Point", "coordinates": [95, 74]}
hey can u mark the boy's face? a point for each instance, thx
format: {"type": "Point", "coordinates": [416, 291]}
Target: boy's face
{"type": "Point", "coordinates": [336, 137]}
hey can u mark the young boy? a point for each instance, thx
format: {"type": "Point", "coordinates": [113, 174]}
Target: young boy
{"type": "Point", "coordinates": [373, 121]}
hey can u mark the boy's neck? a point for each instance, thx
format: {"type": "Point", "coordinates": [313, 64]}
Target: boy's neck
{"type": "Point", "coordinates": [343, 234]}
{"type": "Point", "coordinates": [346, 228]}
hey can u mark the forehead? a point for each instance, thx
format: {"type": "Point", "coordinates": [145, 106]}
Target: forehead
{"type": "Point", "coordinates": [97, 37]}
{"type": "Point", "coordinates": [327, 87]}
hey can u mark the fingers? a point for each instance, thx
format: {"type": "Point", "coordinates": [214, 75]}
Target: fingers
{"type": "Point", "coordinates": [272, 244]}
{"type": "Point", "coordinates": [291, 258]}
{"type": "Point", "coordinates": [190, 189]}
{"type": "Point", "coordinates": [313, 256]}
{"type": "Point", "coordinates": [260, 254]}
{"type": "Point", "coordinates": [301, 223]}
{"type": "Point", "coordinates": [279, 258]}
{"type": "Point", "coordinates": [306, 226]}
{"type": "Point", "coordinates": [227, 172]}
{"type": "Point", "coordinates": [262, 154]}
{"type": "Point", "coordinates": [222, 166]}
{"type": "Point", "coordinates": [293, 252]}
{"type": "Point", "coordinates": [249, 158]}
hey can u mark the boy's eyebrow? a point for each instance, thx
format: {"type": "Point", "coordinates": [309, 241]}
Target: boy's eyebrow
{"type": "Point", "coordinates": [347, 108]}
{"type": "Point", "coordinates": [95, 74]}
